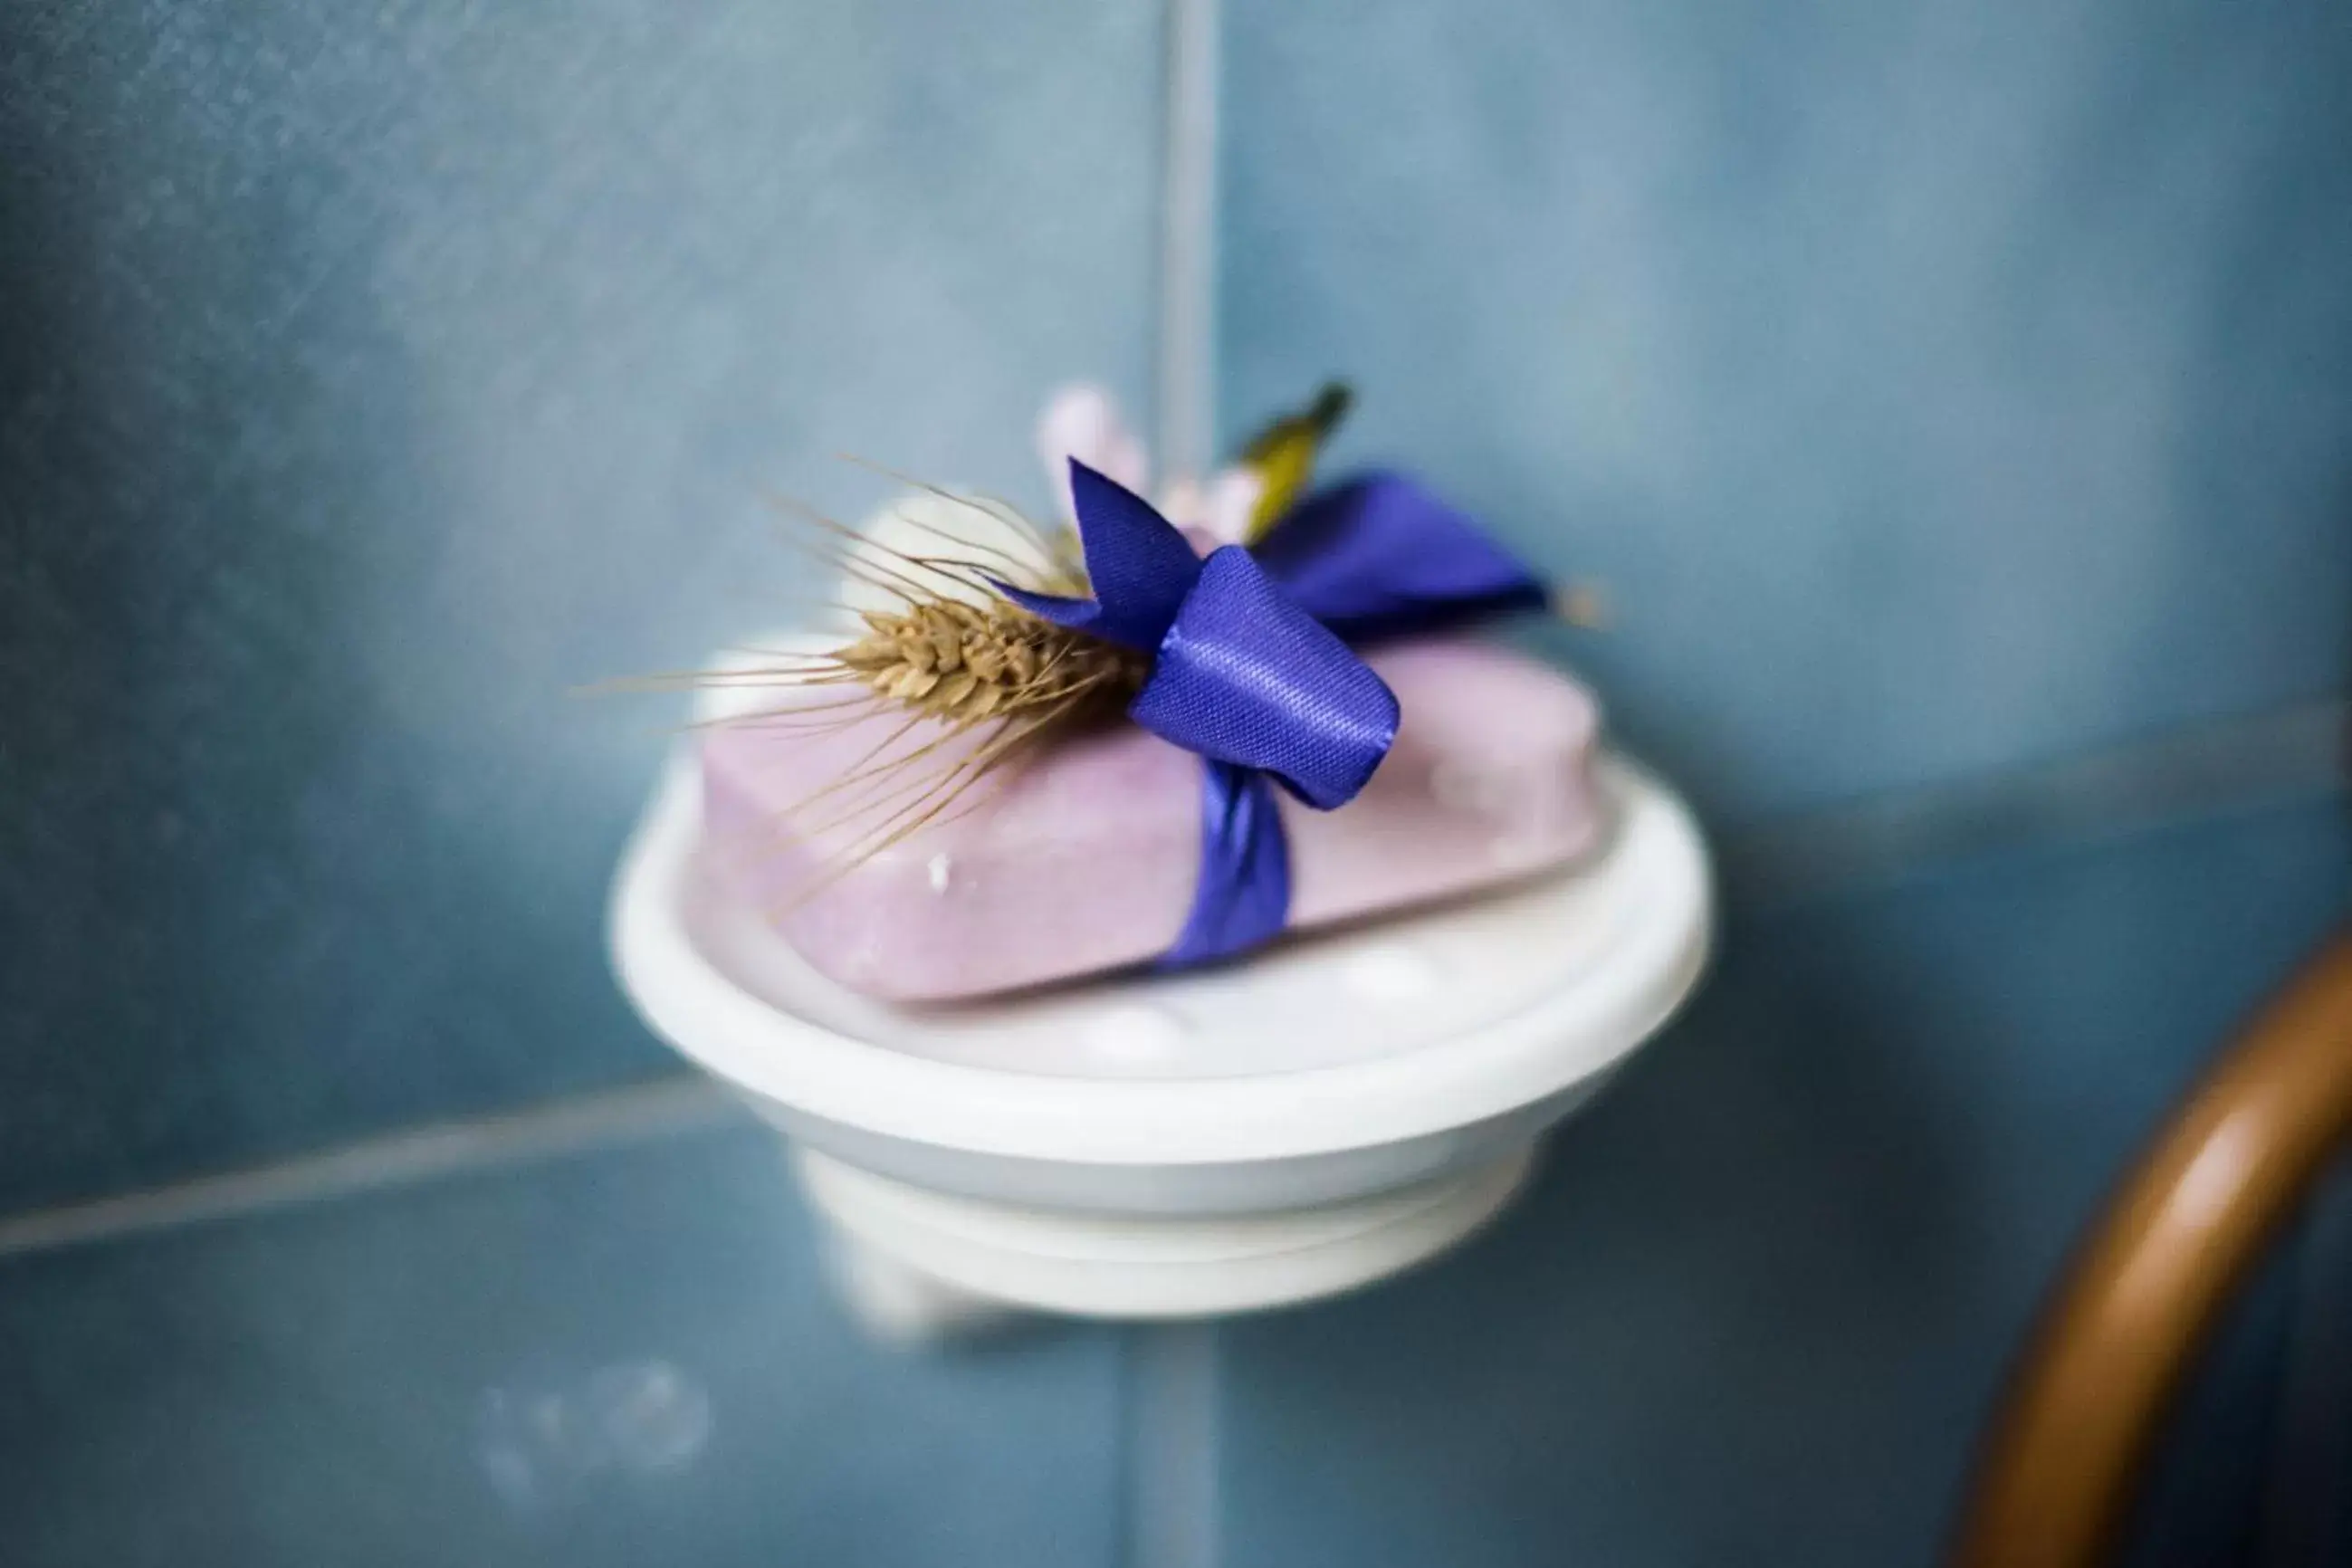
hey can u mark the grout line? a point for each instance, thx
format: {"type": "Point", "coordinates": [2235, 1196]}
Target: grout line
{"type": "Point", "coordinates": [642, 1114]}
{"type": "Point", "coordinates": [1173, 1416]}
{"type": "Point", "coordinates": [1171, 1424]}
{"type": "Point", "coordinates": [2228, 765]}
{"type": "Point", "coordinates": [1188, 268]}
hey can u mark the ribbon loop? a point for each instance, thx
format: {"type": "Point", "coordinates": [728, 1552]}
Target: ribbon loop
{"type": "Point", "coordinates": [1252, 670]}
{"type": "Point", "coordinates": [1246, 677]}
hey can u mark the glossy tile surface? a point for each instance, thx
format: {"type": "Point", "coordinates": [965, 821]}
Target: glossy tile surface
{"type": "Point", "coordinates": [1759, 1297]}
{"type": "Point", "coordinates": [369, 383]}
{"type": "Point", "coordinates": [1930, 389]}
{"type": "Point", "coordinates": [622, 1359]}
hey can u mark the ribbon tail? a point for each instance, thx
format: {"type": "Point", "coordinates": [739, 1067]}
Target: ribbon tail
{"type": "Point", "coordinates": [1138, 568]}
{"type": "Point", "coordinates": [1378, 556]}
{"type": "Point", "coordinates": [1243, 898]}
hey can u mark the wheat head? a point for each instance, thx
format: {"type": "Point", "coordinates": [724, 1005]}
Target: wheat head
{"type": "Point", "coordinates": [964, 663]}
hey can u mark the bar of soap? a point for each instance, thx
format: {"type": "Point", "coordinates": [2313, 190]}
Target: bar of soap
{"type": "Point", "coordinates": [1086, 860]}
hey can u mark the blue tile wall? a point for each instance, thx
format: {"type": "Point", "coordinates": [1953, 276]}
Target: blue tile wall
{"type": "Point", "coordinates": [1758, 1303]}
{"type": "Point", "coordinates": [1930, 388]}
{"type": "Point", "coordinates": [619, 1360]}
{"type": "Point", "coordinates": [368, 381]}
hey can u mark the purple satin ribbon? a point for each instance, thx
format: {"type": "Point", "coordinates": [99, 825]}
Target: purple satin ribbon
{"type": "Point", "coordinates": [1252, 667]}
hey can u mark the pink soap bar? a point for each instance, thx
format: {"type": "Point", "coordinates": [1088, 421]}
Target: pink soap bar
{"type": "Point", "coordinates": [1086, 860]}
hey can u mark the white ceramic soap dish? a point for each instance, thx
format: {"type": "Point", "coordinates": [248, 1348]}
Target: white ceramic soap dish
{"type": "Point", "coordinates": [1327, 1113]}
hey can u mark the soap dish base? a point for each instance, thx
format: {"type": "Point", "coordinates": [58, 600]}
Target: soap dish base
{"type": "Point", "coordinates": [913, 1264]}
{"type": "Point", "coordinates": [1176, 1145]}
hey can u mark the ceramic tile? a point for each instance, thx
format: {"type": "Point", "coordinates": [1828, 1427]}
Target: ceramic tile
{"type": "Point", "coordinates": [623, 1359]}
{"type": "Point", "coordinates": [1759, 1298]}
{"type": "Point", "coordinates": [1928, 389]}
{"type": "Point", "coordinates": [368, 384]}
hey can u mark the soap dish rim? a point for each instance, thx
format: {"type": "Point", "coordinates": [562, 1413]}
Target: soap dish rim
{"type": "Point", "coordinates": [1571, 1035]}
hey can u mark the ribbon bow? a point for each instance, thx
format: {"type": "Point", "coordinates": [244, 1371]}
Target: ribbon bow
{"type": "Point", "coordinates": [1252, 667]}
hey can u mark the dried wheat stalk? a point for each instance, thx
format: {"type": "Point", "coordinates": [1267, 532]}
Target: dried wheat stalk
{"type": "Point", "coordinates": [965, 663]}
{"type": "Point", "coordinates": [977, 686]}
